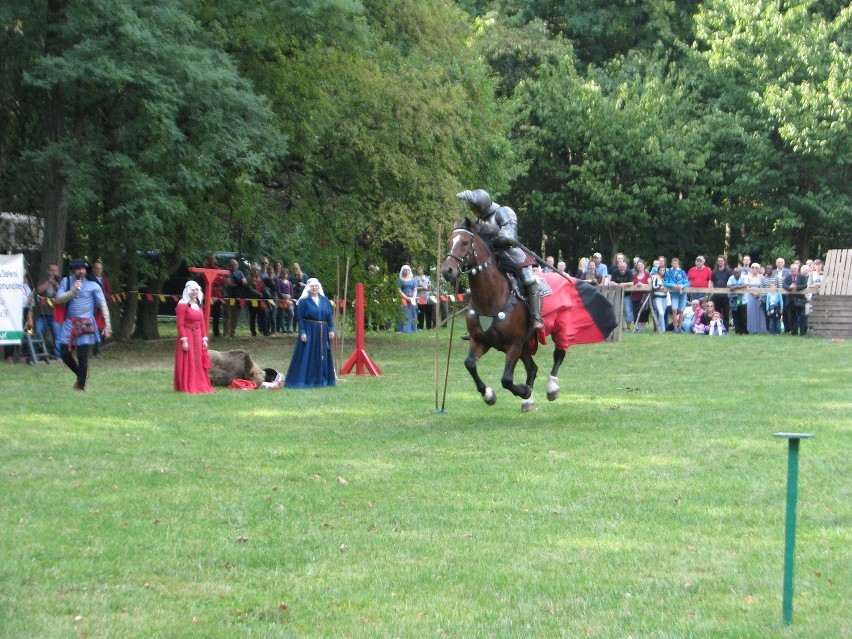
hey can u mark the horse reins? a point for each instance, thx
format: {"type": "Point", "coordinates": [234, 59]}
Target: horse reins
{"type": "Point", "coordinates": [476, 268]}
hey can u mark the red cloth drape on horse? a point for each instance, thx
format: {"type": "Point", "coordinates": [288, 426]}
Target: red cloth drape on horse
{"type": "Point", "coordinates": [574, 313]}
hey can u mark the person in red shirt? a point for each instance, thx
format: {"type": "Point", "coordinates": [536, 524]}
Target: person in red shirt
{"type": "Point", "coordinates": [699, 277]}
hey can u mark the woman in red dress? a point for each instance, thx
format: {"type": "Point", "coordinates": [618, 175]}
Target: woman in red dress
{"type": "Point", "coordinates": [191, 358]}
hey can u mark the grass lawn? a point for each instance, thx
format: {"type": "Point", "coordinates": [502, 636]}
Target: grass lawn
{"type": "Point", "coordinates": [647, 501]}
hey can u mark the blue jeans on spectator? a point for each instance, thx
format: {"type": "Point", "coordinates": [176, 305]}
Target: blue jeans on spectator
{"type": "Point", "coordinates": [272, 317]}
{"type": "Point", "coordinates": [660, 313]}
{"type": "Point", "coordinates": [678, 302]}
{"type": "Point", "coordinates": [628, 308]}
{"type": "Point", "coordinates": [774, 324]}
{"type": "Point", "coordinates": [41, 326]}
{"type": "Point", "coordinates": [285, 319]}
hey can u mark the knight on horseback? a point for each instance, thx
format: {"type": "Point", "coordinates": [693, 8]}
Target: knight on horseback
{"type": "Point", "coordinates": [506, 220]}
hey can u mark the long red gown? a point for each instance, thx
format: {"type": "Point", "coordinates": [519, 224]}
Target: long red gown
{"type": "Point", "coordinates": [191, 366]}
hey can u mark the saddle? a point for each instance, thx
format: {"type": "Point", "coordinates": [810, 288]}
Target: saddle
{"type": "Point", "coordinates": [508, 267]}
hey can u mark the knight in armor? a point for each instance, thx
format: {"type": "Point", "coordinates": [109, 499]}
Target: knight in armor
{"type": "Point", "coordinates": [506, 220]}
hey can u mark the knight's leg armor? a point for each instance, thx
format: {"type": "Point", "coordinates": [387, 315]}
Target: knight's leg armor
{"type": "Point", "coordinates": [534, 298]}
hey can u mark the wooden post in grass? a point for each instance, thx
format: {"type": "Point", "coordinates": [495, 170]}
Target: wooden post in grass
{"type": "Point", "coordinates": [790, 520]}
{"type": "Point", "coordinates": [437, 314]}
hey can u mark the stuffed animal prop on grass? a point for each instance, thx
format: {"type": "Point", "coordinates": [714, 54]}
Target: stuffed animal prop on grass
{"type": "Point", "coordinates": [226, 366]}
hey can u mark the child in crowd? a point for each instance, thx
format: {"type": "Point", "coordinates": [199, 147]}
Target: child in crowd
{"type": "Point", "coordinates": [774, 305]}
{"type": "Point", "coordinates": [717, 326]}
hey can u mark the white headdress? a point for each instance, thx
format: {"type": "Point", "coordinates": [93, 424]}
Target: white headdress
{"type": "Point", "coordinates": [308, 285]}
{"type": "Point", "coordinates": [190, 285]}
{"type": "Point", "coordinates": [404, 268]}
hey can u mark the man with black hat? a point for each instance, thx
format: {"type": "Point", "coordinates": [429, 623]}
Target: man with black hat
{"type": "Point", "coordinates": [81, 296]}
{"type": "Point", "coordinates": [506, 220]}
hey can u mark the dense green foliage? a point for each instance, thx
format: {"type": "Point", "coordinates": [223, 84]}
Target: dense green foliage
{"type": "Point", "coordinates": [781, 98]}
{"type": "Point", "coordinates": [735, 139]}
{"type": "Point", "coordinates": [318, 129]}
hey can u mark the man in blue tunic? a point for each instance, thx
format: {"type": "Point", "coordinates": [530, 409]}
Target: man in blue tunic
{"type": "Point", "coordinates": [81, 296]}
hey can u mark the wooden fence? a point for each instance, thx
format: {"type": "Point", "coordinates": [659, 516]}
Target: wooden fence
{"type": "Point", "coordinates": [837, 273]}
{"type": "Point", "coordinates": [831, 314]}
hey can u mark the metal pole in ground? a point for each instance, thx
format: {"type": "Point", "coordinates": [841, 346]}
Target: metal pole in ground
{"type": "Point", "coordinates": [790, 520]}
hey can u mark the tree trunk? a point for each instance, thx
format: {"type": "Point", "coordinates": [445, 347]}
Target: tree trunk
{"type": "Point", "coordinates": [614, 240]}
{"type": "Point", "coordinates": [146, 323]}
{"type": "Point", "coordinates": [131, 306]}
{"type": "Point", "coordinates": [805, 241]}
{"type": "Point", "coordinates": [55, 192]}
{"type": "Point", "coordinates": [146, 326]}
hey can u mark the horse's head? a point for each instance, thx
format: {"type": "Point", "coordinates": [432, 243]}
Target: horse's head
{"type": "Point", "coordinates": [465, 250]}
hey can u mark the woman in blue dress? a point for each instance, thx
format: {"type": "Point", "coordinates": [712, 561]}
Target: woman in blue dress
{"type": "Point", "coordinates": [311, 365]}
{"type": "Point", "coordinates": [407, 284]}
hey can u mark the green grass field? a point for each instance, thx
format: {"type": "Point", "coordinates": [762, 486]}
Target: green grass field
{"type": "Point", "coordinates": [647, 501]}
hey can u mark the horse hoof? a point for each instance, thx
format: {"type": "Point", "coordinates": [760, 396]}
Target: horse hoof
{"type": "Point", "coordinates": [489, 396]}
{"type": "Point", "coordinates": [527, 405]}
{"type": "Point", "coordinates": [552, 388]}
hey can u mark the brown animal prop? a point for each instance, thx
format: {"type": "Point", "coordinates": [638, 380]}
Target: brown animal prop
{"type": "Point", "coordinates": [227, 366]}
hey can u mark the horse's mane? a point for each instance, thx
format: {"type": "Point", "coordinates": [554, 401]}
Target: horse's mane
{"type": "Point", "coordinates": [488, 233]}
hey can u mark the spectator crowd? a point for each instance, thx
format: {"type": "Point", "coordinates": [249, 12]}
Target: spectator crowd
{"type": "Point", "coordinates": [271, 293]}
{"type": "Point", "coordinates": [748, 298]}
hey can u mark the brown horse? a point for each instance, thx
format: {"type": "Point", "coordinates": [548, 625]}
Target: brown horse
{"type": "Point", "coordinates": [574, 313]}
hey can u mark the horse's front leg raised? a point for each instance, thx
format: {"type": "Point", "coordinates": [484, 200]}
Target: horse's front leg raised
{"type": "Point", "coordinates": [553, 381]}
{"type": "Point", "coordinates": [476, 351]}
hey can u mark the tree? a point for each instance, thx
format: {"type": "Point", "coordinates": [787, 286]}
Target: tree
{"type": "Point", "coordinates": [779, 76]}
{"type": "Point", "coordinates": [606, 29]}
{"type": "Point", "coordinates": [389, 113]}
{"type": "Point", "coordinates": [150, 128]}
{"type": "Point", "coordinates": [612, 165]}
{"type": "Point", "coordinates": [26, 35]}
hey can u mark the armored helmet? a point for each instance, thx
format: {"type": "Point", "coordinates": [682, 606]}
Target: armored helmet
{"type": "Point", "coordinates": [479, 201]}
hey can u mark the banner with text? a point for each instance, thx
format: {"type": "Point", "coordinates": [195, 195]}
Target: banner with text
{"type": "Point", "coordinates": [11, 299]}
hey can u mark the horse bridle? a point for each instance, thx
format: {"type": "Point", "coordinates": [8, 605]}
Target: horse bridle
{"type": "Point", "coordinates": [476, 268]}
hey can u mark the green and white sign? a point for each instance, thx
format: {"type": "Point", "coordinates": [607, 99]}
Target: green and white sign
{"type": "Point", "coordinates": [11, 299]}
